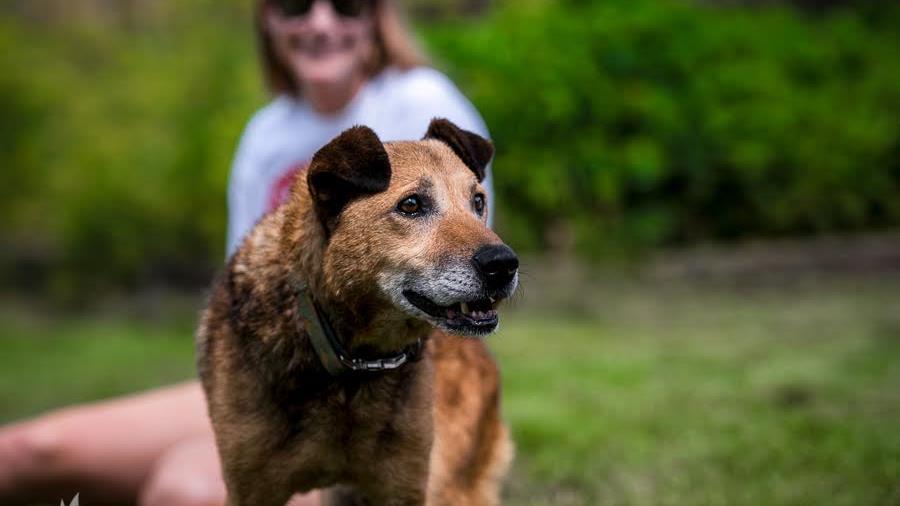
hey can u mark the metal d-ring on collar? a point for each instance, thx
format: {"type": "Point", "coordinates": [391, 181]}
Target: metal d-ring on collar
{"type": "Point", "coordinates": [332, 354]}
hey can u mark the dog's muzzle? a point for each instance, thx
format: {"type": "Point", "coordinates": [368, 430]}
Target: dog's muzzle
{"type": "Point", "coordinates": [463, 298]}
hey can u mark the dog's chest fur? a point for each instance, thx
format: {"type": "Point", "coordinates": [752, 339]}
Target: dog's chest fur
{"type": "Point", "coordinates": [323, 427]}
{"type": "Point", "coordinates": [345, 427]}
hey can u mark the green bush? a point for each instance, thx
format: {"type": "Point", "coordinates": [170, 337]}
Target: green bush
{"type": "Point", "coordinates": [620, 125]}
{"type": "Point", "coordinates": [123, 142]}
{"type": "Point", "coordinates": [645, 123]}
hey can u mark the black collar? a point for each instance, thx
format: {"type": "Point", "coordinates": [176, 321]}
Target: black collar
{"type": "Point", "coordinates": [332, 354]}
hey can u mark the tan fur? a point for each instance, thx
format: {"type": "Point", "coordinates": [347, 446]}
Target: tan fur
{"type": "Point", "coordinates": [428, 433]}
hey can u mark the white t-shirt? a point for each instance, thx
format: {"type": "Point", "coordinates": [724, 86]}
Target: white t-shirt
{"type": "Point", "coordinates": [282, 137]}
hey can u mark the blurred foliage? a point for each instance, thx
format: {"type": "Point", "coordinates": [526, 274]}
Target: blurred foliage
{"type": "Point", "coordinates": [117, 139]}
{"type": "Point", "coordinates": [619, 126]}
{"type": "Point", "coordinates": [642, 123]}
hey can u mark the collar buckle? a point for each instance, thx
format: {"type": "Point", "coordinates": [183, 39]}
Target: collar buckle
{"type": "Point", "coordinates": [332, 354]}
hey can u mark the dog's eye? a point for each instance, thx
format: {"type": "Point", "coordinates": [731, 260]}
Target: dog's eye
{"type": "Point", "coordinates": [478, 204]}
{"type": "Point", "coordinates": [410, 205]}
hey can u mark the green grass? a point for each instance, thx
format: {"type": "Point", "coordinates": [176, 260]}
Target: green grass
{"type": "Point", "coordinates": [618, 392]}
{"type": "Point", "coordinates": [48, 364]}
{"type": "Point", "coordinates": [682, 395]}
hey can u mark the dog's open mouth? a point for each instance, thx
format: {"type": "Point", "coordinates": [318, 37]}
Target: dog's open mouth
{"type": "Point", "coordinates": [476, 317]}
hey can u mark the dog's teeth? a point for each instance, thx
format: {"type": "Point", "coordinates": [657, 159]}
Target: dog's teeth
{"type": "Point", "coordinates": [464, 308]}
{"type": "Point", "coordinates": [493, 300]}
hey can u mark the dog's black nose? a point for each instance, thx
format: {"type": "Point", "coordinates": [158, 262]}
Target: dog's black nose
{"type": "Point", "coordinates": [497, 263]}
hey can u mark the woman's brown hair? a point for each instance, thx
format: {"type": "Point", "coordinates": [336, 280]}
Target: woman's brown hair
{"type": "Point", "coordinates": [394, 47]}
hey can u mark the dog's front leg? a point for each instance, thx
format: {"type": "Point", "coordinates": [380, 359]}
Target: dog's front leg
{"type": "Point", "coordinates": [347, 495]}
{"type": "Point", "coordinates": [256, 489]}
{"type": "Point", "coordinates": [258, 496]}
{"type": "Point", "coordinates": [400, 480]}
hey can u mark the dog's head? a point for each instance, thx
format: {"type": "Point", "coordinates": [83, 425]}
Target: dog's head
{"type": "Point", "coordinates": [406, 228]}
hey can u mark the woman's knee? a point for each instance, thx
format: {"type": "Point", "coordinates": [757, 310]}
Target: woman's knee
{"type": "Point", "coordinates": [161, 491]}
{"type": "Point", "coordinates": [33, 446]}
{"type": "Point", "coordinates": [187, 474]}
{"type": "Point", "coordinates": [31, 456]}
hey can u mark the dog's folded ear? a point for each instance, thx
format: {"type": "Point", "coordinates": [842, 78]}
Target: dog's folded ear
{"type": "Point", "coordinates": [352, 165]}
{"type": "Point", "coordinates": [474, 150]}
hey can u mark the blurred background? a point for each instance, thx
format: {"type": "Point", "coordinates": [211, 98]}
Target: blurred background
{"type": "Point", "coordinates": [706, 195]}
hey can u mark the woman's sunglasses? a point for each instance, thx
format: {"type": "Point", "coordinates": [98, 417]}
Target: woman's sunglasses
{"type": "Point", "coordinates": [346, 8]}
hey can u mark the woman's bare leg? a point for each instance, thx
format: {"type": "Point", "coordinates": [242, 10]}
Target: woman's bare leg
{"type": "Point", "coordinates": [103, 450]}
{"type": "Point", "coordinates": [118, 452]}
{"type": "Point", "coordinates": [188, 474]}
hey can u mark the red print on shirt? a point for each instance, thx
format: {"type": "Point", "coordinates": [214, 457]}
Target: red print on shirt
{"type": "Point", "coordinates": [281, 188]}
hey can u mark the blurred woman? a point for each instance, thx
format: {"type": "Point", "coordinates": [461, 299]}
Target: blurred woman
{"type": "Point", "coordinates": [330, 64]}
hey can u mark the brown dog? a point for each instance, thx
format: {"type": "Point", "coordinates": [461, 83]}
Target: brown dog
{"type": "Point", "coordinates": [318, 351]}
